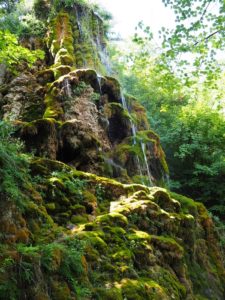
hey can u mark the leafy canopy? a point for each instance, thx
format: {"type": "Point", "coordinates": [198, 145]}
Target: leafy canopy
{"type": "Point", "coordinates": [187, 115]}
{"type": "Point", "coordinates": [200, 30]}
{"type": "Point", "coordinates": [13, 54]}
{"type": "Point", "coordinates": [8, 6]}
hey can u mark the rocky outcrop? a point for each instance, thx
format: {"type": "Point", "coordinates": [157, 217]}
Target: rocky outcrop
{"type": "Point", "coordinates": [74, 232]}
{"type": "Point", "coordinates": [79, 117]}
{"type": "Point", "coordinates": [89, 237]}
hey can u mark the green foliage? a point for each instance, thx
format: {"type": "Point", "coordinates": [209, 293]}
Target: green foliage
{"type": "Point", "coordinates": [68, 3]}
{"type": "Point", "coordinates": [200, 31]}
{"type": "Point", "coordinates": [8, 5]}
{"type": "Point", "coordinates": [95, 97]}
{"type": "Point", "coordinates": [31, 27]}
{"type": "Point", "coordinates": [188, 118]}
{"type": "Point", "coordinates": [79, 89]}
{"type": "Point", "coordinates": [12, 54]}
{"type": "Point", "coordinates": [66, 259]}
{"type": "Point", "coordinates": [73, 186]}
{"type": "Point", "coordinates": [197, 159]}
{"type": "Point", "coordinates": [22, 22]}
{"type": "Point", "coordinates": [8, 287]}
{"type": "Point", "coordinates": [63, 258]}
{"type": "Point", "coordinates": [220, 227]}
{"type": "Point", "coordinates": [54, 6]}
{"type": "Point", "coordinates": [14, 170]}
{"type": "Point", "coordinates": [41, 9]}
{"type": "Point", "coordinates": [100, 192]}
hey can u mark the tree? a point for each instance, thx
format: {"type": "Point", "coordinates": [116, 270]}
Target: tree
{"type": "Point", "coordinates": [12, 54]}
{"type": "Point", "coordinates": [8, 6]}
{"type": "Point", "coordinates": [195, 144]}
{"type": "Point", "coordinates": [188, 119]}
{"type": "Point", "coordinates": [200, 30]}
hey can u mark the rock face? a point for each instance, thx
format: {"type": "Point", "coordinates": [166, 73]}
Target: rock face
{"type": "Point", "coordinates": [82, 236]}
{"type": "Point", "coordinates": [77, 116]}
{"type": "Point", "coordinates": [90, 237]}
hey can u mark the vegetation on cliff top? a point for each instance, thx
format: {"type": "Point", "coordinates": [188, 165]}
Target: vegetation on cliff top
{"type": "Point", "coordinates": [184, 97]}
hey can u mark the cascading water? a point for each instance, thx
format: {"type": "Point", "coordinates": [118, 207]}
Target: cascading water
{"type": "Point", "coordinates": [166, 178]}
{"type": "Point", "coordinates": [99, 79]}
{"type": "Point", "coordinates": [117, 169]}
{"type": "Point", "coordinates": [101, 47]}
{"type": "Point", "coordinates": [79, 23]}
{"type": "Point", "coordinates": [67, 88]}
{"type": "Point", "coordinates": [124, 103]}
{"type": "Point", "coordinates": [146, 163]}
{"type": "Point", "coordinates": [145, 168]}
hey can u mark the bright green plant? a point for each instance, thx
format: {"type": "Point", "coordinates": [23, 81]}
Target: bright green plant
{"type": "Point", "coordinates": [14, 170]}
{"type": "Point", "coordinates": [79, 89]}
{"type": "Point", "coordinates": [9, 286]}
{"type": "Point", "coordinates": [100, 192]}
{"type": "Point", "coordinates": [12, 54]}
{"type": "Point", "coordinates": [199, 30]}
{"type": "Point", "coordinates": [74, 186]}
{"type": "Point", "coordinates": [95, 97]}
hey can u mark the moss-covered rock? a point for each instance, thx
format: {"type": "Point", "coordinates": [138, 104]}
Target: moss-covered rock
{"type": "Point", "coordinates": [83, 236]}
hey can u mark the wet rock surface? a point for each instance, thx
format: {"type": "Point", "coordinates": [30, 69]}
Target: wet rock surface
{"type": "Point", "coordinates": [78, 235]}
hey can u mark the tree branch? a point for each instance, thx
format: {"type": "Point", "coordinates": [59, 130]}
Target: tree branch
{"type": "Point", "coordinates": [206, 38]}
{"type": "Point", "coordinates": [205, 10]}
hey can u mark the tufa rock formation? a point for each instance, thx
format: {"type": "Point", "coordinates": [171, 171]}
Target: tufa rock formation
{"type": "Point", "coordinates": [75, 232]}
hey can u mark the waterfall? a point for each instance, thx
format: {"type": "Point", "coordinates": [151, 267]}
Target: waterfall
{"type": "Point", "coordinates": [142, 167]}
{"type": "Point", "coordinates": [79, 23]}
{"type": "Point", "coordinates": [98, 34]}
{"type": "Point", "coordinates": [67, 88]}
{"type": "Point", "coordinates": [146, 163]}
{"type": "Point", "coordinates": [124, 103]}
{"type": "Point", "coordinates": [105, 60]}
{"type": "Point", "coordinates": [166, 178]}
{"type": "Point", "coordinates": [117, 169]}
{"type": "Point", "coordinates": [99, 79]}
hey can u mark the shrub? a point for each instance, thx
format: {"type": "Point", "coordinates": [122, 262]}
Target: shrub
{"type": "Point", "coordinates": [14, 170]}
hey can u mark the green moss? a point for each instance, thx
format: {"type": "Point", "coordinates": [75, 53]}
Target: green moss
{"type": "Point", "coordinates": [45, 76]}
{"type": "Point", "coordinates": [78, 209]}
{"type": "Point", "coordinates": [63, 58]}
{"type": "Point", "coordinates": [89, 197]}
{"type": "Point", "coordinates": [124, 255]}
{"type": "Point", "coordinates": [95, 239]}
{"type": "Point", "coordinates": [126, 251]}
{"type": "Point", "coordinates": [108, 294]}
{"type": "Point", "coordinates": [61, 36]}
{"type": "Point", "coordinates": [163, 162]}
{"type": "Point", "coordinates": [60, 291]}
{"type": "Point", "coordinates": [61, 71]}
{"type": "Point", "coordinates": [139, 111]}
{"type": "Point", "coordinates": [187, 204]}
{"type": "Point", "coordinates": [171, 284]}
{"type": "Point", "coordinates": [112, 219]}
{"type": "Point", "coordinates": [163, 199]}
{"type": "Point", "coordinates": [123, 151]}
{"type": "Point", "coordinates": [53, 110]}
{"type": "Point", "coordinates": [142, 289]}
{"type": "Point", "coordinates": [50, 206]}
{"type": "Point", "coordinates": [167, 243]}
{"type": "Point", "coordinates": [139, 235]}
{"type": "Point", "coordinates": [79, 219]}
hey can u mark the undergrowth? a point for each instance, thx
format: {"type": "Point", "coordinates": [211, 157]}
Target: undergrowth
{"type": "Point", "coordinates": [14, 168]}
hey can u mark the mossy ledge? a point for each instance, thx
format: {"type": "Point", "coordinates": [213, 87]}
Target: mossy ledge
{"type": "Point", "coordinates": [92, 237]}
{"type": "Point", "coordinates": [79, 236]}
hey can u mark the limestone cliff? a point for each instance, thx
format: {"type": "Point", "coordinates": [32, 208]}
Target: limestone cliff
{"type": "Point", "coordinates": [82, 235]}
{"type": "Point", "coordinates": [78, 116]}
